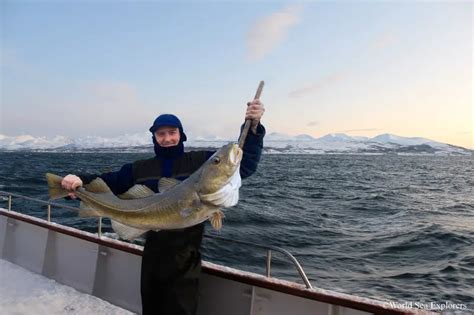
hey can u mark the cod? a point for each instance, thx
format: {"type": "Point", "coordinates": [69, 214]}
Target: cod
{"type": "Point", "coordinates": [215, 185]}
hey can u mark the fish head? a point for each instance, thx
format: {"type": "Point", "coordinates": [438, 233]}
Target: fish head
{"type": "Point", "coordinates": [220, 181]}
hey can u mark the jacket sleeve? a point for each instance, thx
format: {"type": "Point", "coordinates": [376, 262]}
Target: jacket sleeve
{"type": "Point", "coordinates": [119, 182]}
{"type": "Point", "coordinates": [253, 147]}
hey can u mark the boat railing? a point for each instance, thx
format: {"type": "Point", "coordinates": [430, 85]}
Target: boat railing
{"type": "Point", "coordinates": [269, 249]}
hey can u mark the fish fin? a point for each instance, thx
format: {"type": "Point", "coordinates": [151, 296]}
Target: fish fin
{"type": "Point", "coordinates": [55, 190]}
{"type": "Point", "coordinates": [98, 186]}
{"type": "Point", "coordinates": [166, 183]}
{"type": "Point", "coordinates": [85, 211]}
{"type": "Point", "coordinates": [216, 220]}
{"type": "Point", "coordinates": [126, 232]}
{"type": "Point", "coordinates": [186, 212]}
{"type": "Point", "coordinates": [137, 191]}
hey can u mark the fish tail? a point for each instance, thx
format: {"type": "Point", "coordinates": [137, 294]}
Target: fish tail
{"type": "Point", "coordinates": [56, 191]}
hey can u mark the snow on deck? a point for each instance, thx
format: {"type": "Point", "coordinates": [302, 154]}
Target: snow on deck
{"type": "Point", "coordinates": [25, 292]}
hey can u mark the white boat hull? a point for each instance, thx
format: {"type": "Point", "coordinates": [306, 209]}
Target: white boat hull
{"type": "Point", "coordinates": [110, 270]}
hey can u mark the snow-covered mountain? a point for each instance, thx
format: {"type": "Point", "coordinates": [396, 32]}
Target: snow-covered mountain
{"type": "Point", "coordinates": [336, 137]}
{"type": "Point", "coordinates": [27, 142]}
{"type": "Point", "coordinates": [388, 138]}
{"type": "Point", "coordinates": [274, 143]}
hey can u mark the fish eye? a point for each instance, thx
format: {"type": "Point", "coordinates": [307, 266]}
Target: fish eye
{"type": "Point", "coordinates": [216, 160]}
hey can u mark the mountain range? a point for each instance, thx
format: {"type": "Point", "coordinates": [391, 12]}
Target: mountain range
{"type": "Point", "coordinates": [334, 143]}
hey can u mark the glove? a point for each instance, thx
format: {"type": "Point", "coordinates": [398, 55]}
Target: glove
{"type": "Point", "coordinates": [255, 110]}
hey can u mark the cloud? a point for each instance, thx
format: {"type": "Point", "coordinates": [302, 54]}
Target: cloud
{"type": "Point", "coordinates": [360, 130]}
{"type": "Point", "coordinates": [112, 93]}
{"type": "Point", "coordinates": [313, 123]}
{"type": "Point", "coordinates": [383, 41]}
{"type": "Point", "coordinates": [329, 80]}
{"type": "Point", "coordinates": [111, 106]}
{"type": "Point", "coordinates": [103, 108]}
{"type": "Point", "coordinates": [268, 32]}
{"type": "Point", "coordinates": [10, 60]}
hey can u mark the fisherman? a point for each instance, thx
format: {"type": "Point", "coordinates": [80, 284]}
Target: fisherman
{"type": "Point", "coordinates": [171, 263]}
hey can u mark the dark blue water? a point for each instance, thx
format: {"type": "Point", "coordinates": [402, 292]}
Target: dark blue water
{"type": "Point", "coordinates": [397, 228]}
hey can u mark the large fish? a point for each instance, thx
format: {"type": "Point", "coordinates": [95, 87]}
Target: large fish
{"type": "Point", "coordinates": [215, 185]}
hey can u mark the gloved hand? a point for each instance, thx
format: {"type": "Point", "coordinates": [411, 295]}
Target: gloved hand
{"type": "Point", "coordinates": [255, 110]}
{"type": "Point", "coordinates": [71, 182]}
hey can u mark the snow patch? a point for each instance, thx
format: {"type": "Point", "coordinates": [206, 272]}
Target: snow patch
{"type": "Point", "coordinates": [389, 138]}
{"type": "Point", "coordinates": [334, 143]}
{"type": "Point", "coordinates": [335, 137]}
{"type": "Point", "coordinates": [25, 292]}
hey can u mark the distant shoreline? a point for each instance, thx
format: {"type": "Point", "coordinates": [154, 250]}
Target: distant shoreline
{"type": "Point", "coordinates": [266, 151]}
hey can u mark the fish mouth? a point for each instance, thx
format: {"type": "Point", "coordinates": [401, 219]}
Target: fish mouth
{"type": "Point", "coordinates": [235, 155]}
{"type": "Point", "coordinates": [227, 195]}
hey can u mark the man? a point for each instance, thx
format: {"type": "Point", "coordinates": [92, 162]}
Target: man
{"type": "Point", "coordinates": [171, 262]}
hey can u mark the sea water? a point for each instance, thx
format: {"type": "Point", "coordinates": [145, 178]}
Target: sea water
{"type": "Point", "coordinates": [395, 228]}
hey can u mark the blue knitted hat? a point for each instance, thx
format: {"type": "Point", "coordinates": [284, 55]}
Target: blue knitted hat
{"type": "Point", "coordinates": [168, 120]}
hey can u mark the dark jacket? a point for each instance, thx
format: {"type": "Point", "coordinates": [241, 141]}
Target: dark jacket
{"type": "Point", "coordinates": [148, 172]}
{"type": "Point", "coordinates": [171, 263]}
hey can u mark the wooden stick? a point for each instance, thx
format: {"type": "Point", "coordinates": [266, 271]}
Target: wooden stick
{"type": "Point", "coordinates": [248, 122]}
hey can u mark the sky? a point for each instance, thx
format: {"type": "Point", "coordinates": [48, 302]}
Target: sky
{"type": "Point", "coordinates": [108, 68]}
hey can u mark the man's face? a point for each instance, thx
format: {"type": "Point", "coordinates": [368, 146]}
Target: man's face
{"type": "Point", "coordinates": [167, 136]}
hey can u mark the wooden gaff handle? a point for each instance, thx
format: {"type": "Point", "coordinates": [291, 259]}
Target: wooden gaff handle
{"type": "Point", "coordinates": [248, 122]}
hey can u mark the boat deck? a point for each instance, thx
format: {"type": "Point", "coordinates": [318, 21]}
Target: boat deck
{"type": "Point", "coordinates": [110, 270]}
{"type": "Point", "coordinates": [26, 292]}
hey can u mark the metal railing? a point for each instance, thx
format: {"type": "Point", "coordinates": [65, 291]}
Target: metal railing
{"type": "Point", "coordinates": [49, 204]}
{"type": "Point", "coordinates": [268, 248]}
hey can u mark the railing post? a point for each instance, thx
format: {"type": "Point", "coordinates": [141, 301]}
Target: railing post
{"type": "Point", "coordinates": [49, 213]}
{"type": "Point", "coordinates": [269, 262]}
{"type": "Point", "coordinates": [269, 257]}
{"type": "Point", "coordinates": [99, 232]}
{"type": "Point", "coordinates": [9, 202]}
